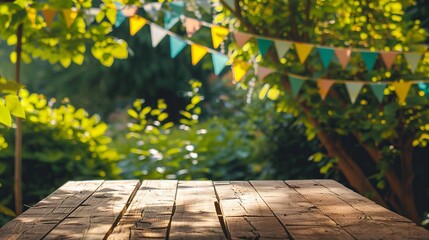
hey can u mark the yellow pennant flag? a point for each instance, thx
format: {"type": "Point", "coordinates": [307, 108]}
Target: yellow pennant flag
{"type": "Point", "coordinates": [239, 69]}
{"type": "Point", "coordinates": [197, 53]}
{"type": "Point", "coordinates": [69, 16]}
{"type": "Point", "coordinates": [218, 35]}
{"type": "Point", "coordinates": [401, 90]}
{"type": "Point", "coordinates": [49, 15]}
{"type": "Point", "coordinates": [136, 23]}
{"type": "Point", "coordinates": [303, 50]}
{"type": "Point", "coordinates": [32, 14]}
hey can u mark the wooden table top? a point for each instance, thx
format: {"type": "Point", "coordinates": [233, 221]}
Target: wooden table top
{"type": "Point", "coordinates": [170, 209]}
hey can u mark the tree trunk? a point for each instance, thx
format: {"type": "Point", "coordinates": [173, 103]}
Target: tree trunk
{"type": "Point", "coordinates": [18, 132]}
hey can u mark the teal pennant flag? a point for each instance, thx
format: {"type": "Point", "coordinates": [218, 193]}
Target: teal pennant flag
{"type": "Point", "coordinates": [176, 46]}
{"type": "Point", "coordinates": [170, 19]}
{"type": "Point", "coordinates": [326, 55]}
{"type": "Point", "coordinates": [120, 16]}
{"type": "Point", "coordinates": [295, 84]}
{"type": "Point", "coordinates": [378, 90]}
{"type": "Point", "coordinates": [219, 61]}
{"type": "Point", "coordinates": [177, 7]}
{"type": "Point", "coordinates": [263, 45]}
{"type": "Point", "coordinates": [369, 59]}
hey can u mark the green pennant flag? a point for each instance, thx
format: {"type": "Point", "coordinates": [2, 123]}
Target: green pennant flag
{"type": "Point", "coordinates": [326, 55]}
{"type": "Point", "coordinates": [295, 84]}
{"type": "Point", "coordinates": [282, 48]}
{"type": "Point", "coordinates": [263, 45]}
{"type": "Point", "coordinates": [378, 90]}
{"type": "Point", "coordinates": [353, 89]}
{"type": "Point", "coordinates": [369, 59]}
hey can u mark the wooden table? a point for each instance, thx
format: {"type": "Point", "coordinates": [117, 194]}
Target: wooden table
{"type": "Point", "coordinates": [169, 209]}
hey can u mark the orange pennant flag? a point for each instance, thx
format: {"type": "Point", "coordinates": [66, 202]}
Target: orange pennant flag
{"type": "Point", "coordinates": [324, 86]}
{"type": "Point", "coordinates": [401, 90]}
{"type": "Point", "coordinates": [388, 58]}
{"type": "Point", "coordinates": [136, 23]}
{"type": "Point", "coordinates": [32, 14]}
{"type": "Point", "coordinates": [303, 50]}
{"type": "Point", "coordinates": [239, 69]}
{"type": "Point", "coordinates": [192, 26]}
{"type": "Point", "coordinates": [197, 53]}
{"type": "Point", "coordinates": [49, 15]}
{"type": "Point", "coordinates": [218, 35]}
{"type": "Point", "coordinates": [343, 56]}
{"type": "Point", "coordinates": [69, 16]}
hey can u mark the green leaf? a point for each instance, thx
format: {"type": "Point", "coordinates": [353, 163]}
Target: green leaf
{"type": "Point", "coordinates": [264, 91]}
{"type": "Point", "coordinates": [133, 113]}
{"type": "Point", "coordinates": [5, 117]}
{"type": "Point", "coordinates": [15, 106]}
{"type": "Point", "coordinates": [6, 211]}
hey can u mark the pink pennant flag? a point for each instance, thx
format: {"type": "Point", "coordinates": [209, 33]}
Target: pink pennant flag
{"type": "Point", "coordinates": [324, 86]}
{"type": "Point", "coordinates": [264, 71]}
{"type": "Point", "coordinates": [388, 58]}
{"type": "Point", "coordinates": [241, 38]}
{"type": "Point", "coordinates": [343, 55]}
{"type": "Point", "coordinates": [129, 10]}
{"type": "Point", "coordinates": [192, 26]}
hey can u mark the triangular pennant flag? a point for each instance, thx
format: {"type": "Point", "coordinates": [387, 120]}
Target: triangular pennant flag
{"type": "Point", "coordinates": [197, 53]}
{"type": "Point", "coordinates": [177, 7]}
{"type": "Point", "coordinates": [282, 48]}
{"type": "Point", "coordinates": [324, 86]}
{"type": "Point", "coordinates": [192, 26]}
{"type": "Point", "coordinates": [69, 16]}
{"type": "Point", "coordinates": [230, 4]}
{"type": "Point", "coordinates": [369, 59]}
{"type": "Point", "coordinates": [205, 4]}
{"type": "Point", "coordinates": [219, 61]}
{"type": "Point", "coordinates": [401, 90]}
{"type": "Point", "coordinates": [241, 38]}
{"type": "Point", "coordinates": [120, 18]}
{"type": "Point", "coordinates": [170, 19]}
{"type": "Point", "coordinates": [153, 9]}
{"type": "Point", "coordinates": [218, 35]}
{"type": "Point", "coordinates": [239, 69]}
{"type": "Point", "coordinates": [326, 55]}
{"type": "Point", "coordinates": [176, 46]}
{"type": "Point", "coordinates": [388, 58]}
{"type": "Point", "coordinates": [295, 85]}
{"type": "Point", "coordinates": [378, 90]}
{"type": "Point", "coordinates": [353, 89]}
{"type": "Point", "coordinates": [264, 71]}
{"type": "Point", "coordinates": [49, 15]}
{"type": "Point", "coordinates": [303, 50]}
{"type": "Point", "coordinates": [136, 23]}
{"type": "Point", "coordinates": [343, 55]}
{"type": "Point", "coordinates": [88, 17]}
{"type": "Point", "coordinates": [263, 45]}
{"type": "Point", "coordinates": [32, 14]}
{"type": "Point", "coordinates": [157, 34]}
{"type": "Point", "coordinates": [129, 10]}
{"type": "Point", "coordinates": [413, 59]}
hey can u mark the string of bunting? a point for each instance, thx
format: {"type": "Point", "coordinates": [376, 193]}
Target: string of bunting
{"type": "Point", "coordinates": [240, 68]}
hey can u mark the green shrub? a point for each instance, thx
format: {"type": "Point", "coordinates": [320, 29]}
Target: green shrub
{"type": "Point", "coordinates": [60, 143]}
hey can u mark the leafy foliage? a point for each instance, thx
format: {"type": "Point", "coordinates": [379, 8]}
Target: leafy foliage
{"type": "Point", "coordinates": [61, 143]}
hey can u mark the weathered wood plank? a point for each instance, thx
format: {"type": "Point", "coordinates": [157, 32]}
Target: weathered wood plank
{"type": "Point", "coordinates": [95, 218]}
{"type": "Point", "coordinates": [245, 213]}
{"type": "Point", "coordinates": [195, 215]}
{"type": "Point", "coordinates": [149, 213]}
{"type": "Point", "coordinates": [355, 213]}
{"type": "Point", "coordinates": [299, 216]}
{"type": "Point", "coordinates": [37, 221]}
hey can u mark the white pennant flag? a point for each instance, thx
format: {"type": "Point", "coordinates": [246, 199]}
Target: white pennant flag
{"type": "Point", "coordinates": [157, 34]}
{"type": "Point", "coordinates": [153, 9]}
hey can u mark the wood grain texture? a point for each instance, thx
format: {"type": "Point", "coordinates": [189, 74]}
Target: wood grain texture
{"type": "Point", "coordinates": [195, 215]}
{"type": "Point", "coordinates": [95, 218]}
{"type": "Point", "coordinates": [39, 220]}
{"type": "Point", "coordinates": [149, 213]}
{"type": "Point", "coordinates": [245, 213]}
